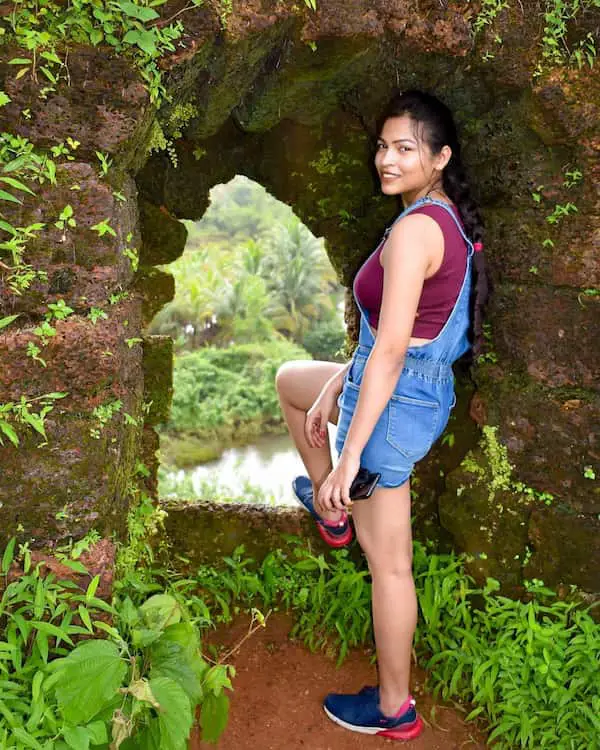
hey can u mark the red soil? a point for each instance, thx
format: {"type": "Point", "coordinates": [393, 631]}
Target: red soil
{"type": "Point", "coordinates": [279, 686]}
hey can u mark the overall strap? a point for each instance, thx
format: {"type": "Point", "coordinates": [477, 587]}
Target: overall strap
{"type": "Point", "coordinates": [365, 328]}
{"type": "Point", "coordinates": [423, 202]}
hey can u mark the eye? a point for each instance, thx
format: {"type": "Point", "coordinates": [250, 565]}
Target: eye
{"type": "Point", "coordinates": [381, 145]}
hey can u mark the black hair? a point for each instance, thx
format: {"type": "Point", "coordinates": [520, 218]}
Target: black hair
{"type": "Point", "coordinates": [437, 130]}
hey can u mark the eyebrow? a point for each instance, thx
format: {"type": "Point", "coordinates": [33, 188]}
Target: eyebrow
{"type": "Point", "coordinates": [398, 140]}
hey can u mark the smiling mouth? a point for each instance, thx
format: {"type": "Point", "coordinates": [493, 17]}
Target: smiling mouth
{"type": "Point", "coordinates": [390, 175]}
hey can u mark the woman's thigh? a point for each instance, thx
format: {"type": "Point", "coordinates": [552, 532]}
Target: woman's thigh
{"type": "Point", "coordinates": [300, 382]}
{"type": "Point", "coordinates": [383, 528]}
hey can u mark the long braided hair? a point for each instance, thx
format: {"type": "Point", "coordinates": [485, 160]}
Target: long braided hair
{"type": "Point", "coordinates": [435, 125]}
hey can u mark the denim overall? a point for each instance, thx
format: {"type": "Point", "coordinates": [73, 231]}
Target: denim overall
{"type": "Point", "coordinates": [418, 410]}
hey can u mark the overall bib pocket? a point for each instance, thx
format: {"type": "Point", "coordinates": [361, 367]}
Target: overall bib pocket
{"type": "Point", "coordinates": [412, 425]}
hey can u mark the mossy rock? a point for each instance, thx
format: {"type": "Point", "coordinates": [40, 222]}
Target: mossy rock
{"type": "Point", "coordinates": [487, 522]}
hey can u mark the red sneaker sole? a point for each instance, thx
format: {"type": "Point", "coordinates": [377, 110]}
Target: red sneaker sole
{"type": "Point", "coordinates": [334, 540]}
{"type": "Point", "coordinates": [409, 732]}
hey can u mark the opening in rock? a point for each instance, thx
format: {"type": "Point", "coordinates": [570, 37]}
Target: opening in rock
{"type": "Point", "coordinates": [254, 288]}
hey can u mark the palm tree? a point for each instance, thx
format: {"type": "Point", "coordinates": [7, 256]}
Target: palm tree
{"type": "Point", "coordinates": [299, 276]}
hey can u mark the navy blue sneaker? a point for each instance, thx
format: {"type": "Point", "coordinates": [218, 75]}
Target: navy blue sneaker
{"type": "Point", "coordinates": [335, 534]}
{"type": "Point", "coordinates": [360, 712]}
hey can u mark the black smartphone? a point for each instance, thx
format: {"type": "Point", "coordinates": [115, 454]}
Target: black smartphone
{"type": "Point", "coordinates": [363, 484]}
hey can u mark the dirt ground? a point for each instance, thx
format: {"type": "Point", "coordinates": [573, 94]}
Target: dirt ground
{"type": "Point", "coordinates": [279, 686]}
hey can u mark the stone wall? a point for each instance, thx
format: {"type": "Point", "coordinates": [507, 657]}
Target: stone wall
{"type": "Point", "coordinates": [289, 98]}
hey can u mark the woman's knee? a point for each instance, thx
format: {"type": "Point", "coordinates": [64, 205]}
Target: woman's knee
{"type": "Point", "coordinates": [285, 377]}
{"type": "Point", "coordinates": [386, 557]}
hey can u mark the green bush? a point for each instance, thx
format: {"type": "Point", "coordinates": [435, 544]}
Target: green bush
{"type": "Point", "coordinates": [529, 669]}
{"type": "Point", "coordinates": [325, 340]}
{"type": "Point", "coordinates": [135, 684]}
{"type": "Point", "coordinates": [226, 395]}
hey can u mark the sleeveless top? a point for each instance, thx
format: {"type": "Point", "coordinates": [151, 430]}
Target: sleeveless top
{"type": "Point", "coordinates": [440, 291]}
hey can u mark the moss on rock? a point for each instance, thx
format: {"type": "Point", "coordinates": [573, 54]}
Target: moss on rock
{"type": "Point", "coordinates": [157, 364]}
{"type": "Point", "coordinates": [163, 236]}
{"type": "Point", "coordinates": [485, 515]}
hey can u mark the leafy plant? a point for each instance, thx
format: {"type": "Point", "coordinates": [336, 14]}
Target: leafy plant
{"type": "Point", "coordinates": [132, 254]}
{"type": "Point", "coordinates": [528, 668]}
{"type": "Point", "coordinates": [65, 218]}
{"type": "Point", "coordinates": [487, 14]}
{"type": "Point", "coordinates": [103, 415]}
{"type": "Point", "coordinates": [21, 412]}
{"type": "Point", "coordinates": [560, 211]}
{"type": "Point", "coordinates": [95, 314]}
{"type": "Point", "coordinates": [224, 393]}
{"type": "Point", "coordinates": [103, 227]}
{"type": "Point", "coordinates": [45, 27]}
{"type": "Point", "coordinates": [557, 16]}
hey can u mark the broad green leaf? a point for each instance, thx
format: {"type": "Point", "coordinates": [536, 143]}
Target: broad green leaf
{"type": "Point", "coordinates": [77, 738]}
{"type": "Point", "coordinates": [213, 716]}
{"type": "Point", "coordinates": [144, 637]}
{"type": "Point", "coordinates": [98, 732]}
{"type": "Point", "coordinates": [160, 611]}
{"type": "Point", "coordinates": [170, 659]}
{"type": "Point", "coordinates": [19, 61]}
{"type": "Point", "coordinates": [175, 714]}
{"type": "Point", "coordinates": [15, 163]}
{"type": "Point", "coordinates": [185, 635]}
{"type": "Point", "coordinates": [89, 678]}
{"type": "Point", "coordinates": [144, 40]}
{"type": "Point", "coordinates": [137, 11]}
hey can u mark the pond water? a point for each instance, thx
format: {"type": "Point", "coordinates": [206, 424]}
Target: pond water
{"type": "Point", "coordinates": [265, 468]}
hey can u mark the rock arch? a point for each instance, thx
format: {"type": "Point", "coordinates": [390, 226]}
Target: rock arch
{"type": "Point", "coordinates": [289, 98]}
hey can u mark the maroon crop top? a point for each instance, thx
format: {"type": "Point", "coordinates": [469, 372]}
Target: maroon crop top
{"type": "Point", "coordinates": [440, 291]}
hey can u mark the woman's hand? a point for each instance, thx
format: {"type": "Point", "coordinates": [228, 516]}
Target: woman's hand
{"type": "Point", "coordinates": [315, 425]}
{"type": "Point", "coordinates": [335, 490]}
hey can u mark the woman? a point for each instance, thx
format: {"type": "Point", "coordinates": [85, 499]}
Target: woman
{"type": "Point", "coordinates": [393, 400]}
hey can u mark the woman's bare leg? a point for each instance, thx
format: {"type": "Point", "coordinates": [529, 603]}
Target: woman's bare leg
{"type": "Point", "coordinates": [383, 529]}
{"type": "Point", "coordinates": [298, 385]}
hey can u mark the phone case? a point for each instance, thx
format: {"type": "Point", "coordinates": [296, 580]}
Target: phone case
{"type": "Point", "coordinates": [363, 484]}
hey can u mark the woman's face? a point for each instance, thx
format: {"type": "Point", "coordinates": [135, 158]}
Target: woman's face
{"type": "Point", "coordinates": [405, 166]}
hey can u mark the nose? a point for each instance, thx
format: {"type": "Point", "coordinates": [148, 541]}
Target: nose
{"type": "Point", "coordinates": [388, 157]}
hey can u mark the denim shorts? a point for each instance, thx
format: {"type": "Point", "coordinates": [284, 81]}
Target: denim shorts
{"type": "Point", "coordinates": [412, 420]}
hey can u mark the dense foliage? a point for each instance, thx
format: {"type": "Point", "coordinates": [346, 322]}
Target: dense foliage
{"type": "Point", "coordinates": [251, 271]}
{"type": "Point", "coordinates": [133, 683]}
{"type": "Point", "coordinates": [529, 669]}
{"type": "Point", "coordinates": [228, 395]}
